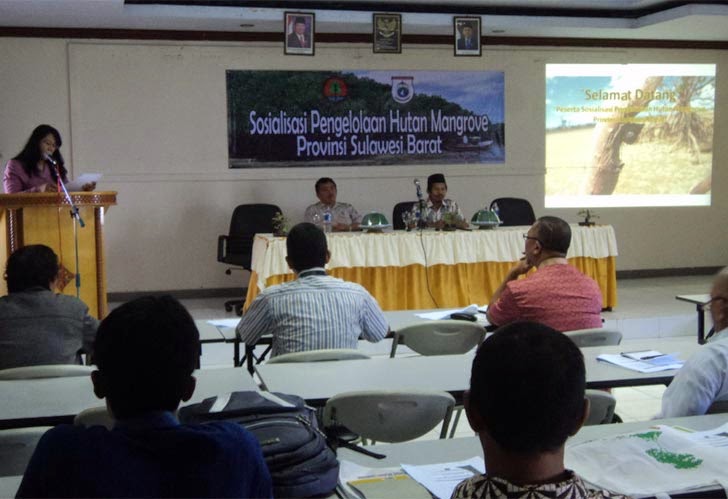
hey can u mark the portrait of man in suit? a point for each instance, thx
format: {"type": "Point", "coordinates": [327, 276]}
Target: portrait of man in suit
{"type": "Point", "coordinates": [467, 36]}
{"type": "Point", "coordinates": [299, 33]}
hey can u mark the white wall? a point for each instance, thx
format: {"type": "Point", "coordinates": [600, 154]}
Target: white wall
{"type": "Point", "coordinates": [151, 116]}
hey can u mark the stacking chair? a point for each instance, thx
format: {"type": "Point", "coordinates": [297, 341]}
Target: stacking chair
{"type": "Point", "coordinates": [236, 248]}
{"type": "Point", "coordinates": [319, 356]}
{"type": "Point", "coordinates": [389, 416]}
{"type": "Point", "coordinates": [595, 337]}
{"type": "Point", "coordinates": [399, 208]}
{"type": "Point", "coordinates": [448, 337]}
{"type": "Point", "coordinates": [94, 416]}
{"type": "Point", "coordinates": [45, 371]}
{"type": "Point", "coordinates": [514, 211]}
{"type": "Point", "coordinates": [601, 407]}
{"type": "Point", "coordinates": [16, 448]}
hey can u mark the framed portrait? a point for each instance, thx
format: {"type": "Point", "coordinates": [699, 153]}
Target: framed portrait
{"type": "Point", "coordinates": [386, 33]}
{"type": "Point", "coordinates": [299, 30]}
{"type": "Point", "coordinates": [466, 39]}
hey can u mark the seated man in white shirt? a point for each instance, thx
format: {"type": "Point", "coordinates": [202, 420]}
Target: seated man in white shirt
{"type": "Point", "coordinates": [703, 379]}
{"type": "Point", "coordinates": [343, 215]}
{"type": "Point", "coordinates": [315, 311]}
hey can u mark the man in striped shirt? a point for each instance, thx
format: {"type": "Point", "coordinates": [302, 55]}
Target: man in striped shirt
{"type": "Point", "coordinates": [315, 311]}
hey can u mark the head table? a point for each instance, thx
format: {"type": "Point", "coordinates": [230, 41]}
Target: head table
{"type": "Point", "coordinates": [401, 268]}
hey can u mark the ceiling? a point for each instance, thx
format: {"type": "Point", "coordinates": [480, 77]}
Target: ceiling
{"type": "Point", "coordinates": [609, 19]}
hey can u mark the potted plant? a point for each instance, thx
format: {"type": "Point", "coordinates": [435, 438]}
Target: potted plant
{"type": "Point", "coordinates": [281, 225]}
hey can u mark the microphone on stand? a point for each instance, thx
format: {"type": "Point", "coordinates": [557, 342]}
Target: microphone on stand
{"type": "Point", "coordinates": [50, 159]}
{"type": "Point", "coordinates": [421, 203]}
{"type": "Point", "coordinates": [419, 189]}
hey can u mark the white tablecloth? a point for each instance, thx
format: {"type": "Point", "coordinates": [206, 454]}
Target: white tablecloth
{"type": "Point", "coordinates": [427, 248]}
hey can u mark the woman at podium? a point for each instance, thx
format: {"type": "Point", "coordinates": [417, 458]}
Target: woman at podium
{"type": "Point", "coordinates": [37, 167]}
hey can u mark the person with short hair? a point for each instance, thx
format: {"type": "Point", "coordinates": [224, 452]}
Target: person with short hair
{"type": "Point", "coordinates": [146, 352]}
{"type": "Point", "coordinates": [557, 294]}
{"type": "Point", "coordinates": [38, 326]}
{"type": "Point", "coordinates": [703, 380]}
{"type": "Point", "coordinates": [344, 216]}
{"type": "Point", "coordinates": [438, 205]}
{"type": "Point", "coordinates": [467, 40]}
{"type": "Point", "coordinates": [526, 398]}
{"type": "Point", "coordinates": [299, 38]}
{"type": "Point", "coordinates": [315, 311]}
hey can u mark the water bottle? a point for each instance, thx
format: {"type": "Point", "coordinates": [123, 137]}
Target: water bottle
{"type": "Point", "coordinates": [327, 220]}
{"type": "Point", "coordinates": [496, 210]}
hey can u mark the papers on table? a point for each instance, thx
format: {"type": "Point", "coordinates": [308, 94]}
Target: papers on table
{"type": "Point", "coordinates": [663, 459]}
{"type": "Point", "coordinates": [412, 481]}
{"type": "Point", "coordinates": [445, 314]}
{"type": "Point", "coordinates": [231, 323]}
{"type": "Point", "coordinates": [442, 478]}
{"type": "Point", "coordinates": [644, 361]}
{"type": "Point", "coordinates": [81, 180]}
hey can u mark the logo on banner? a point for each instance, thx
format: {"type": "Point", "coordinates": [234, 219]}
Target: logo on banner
{"type": "Point", "coordinates": [335, 89]}
{"type": "Point", "coordinates": [403, 88]}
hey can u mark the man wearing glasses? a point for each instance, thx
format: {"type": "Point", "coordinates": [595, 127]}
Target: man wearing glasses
{"type": "Point", "coordinates": [703, 380]}
{"type": "Point", "coordinates": [557, 294]}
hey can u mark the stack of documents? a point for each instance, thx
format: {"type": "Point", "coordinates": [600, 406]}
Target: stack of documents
{"type": "Point", "coordinates": [644, 361]}
{"type": "Point", "coordinates": [411, 481]}
{"type": "Point", "coordinates": [662, 459]}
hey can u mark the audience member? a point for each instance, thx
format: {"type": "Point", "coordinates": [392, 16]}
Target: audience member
{"type": "Point", "coordinates": [526, 398]}
{"type": "Point", "coordinates": [146, 351]}
{"type": "Point", "coordinates": [343, 215]}
{"type": "Point", "coordinates": [315, 311]}
{"type": "Point", "coordinates": [38, 326]}
{"type": "Point", "coordinates": [437, 205]}
{"type": "Point", "coordinates": [557, 294]}
{"type": "Point", "coordinates": [703, 379]}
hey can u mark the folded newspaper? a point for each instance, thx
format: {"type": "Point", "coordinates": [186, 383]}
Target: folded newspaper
{"type": "Point", "coordinates": [663, 459]}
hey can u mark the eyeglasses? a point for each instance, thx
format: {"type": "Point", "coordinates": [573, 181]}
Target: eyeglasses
{"type": "Point", "coordinates": [526, 237]}
{"type": "Point", "coordinates": [707, 305]}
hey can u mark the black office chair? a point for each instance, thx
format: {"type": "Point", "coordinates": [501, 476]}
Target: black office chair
{"type": "Point", "coordinates": [236, 248]}
{"type": "Point", "coordinates": [514, 211]}
{"type": "Point", "coordinates": [399, 208]}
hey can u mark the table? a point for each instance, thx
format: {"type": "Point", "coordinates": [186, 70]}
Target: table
{"type": "Point", "coordinates": [458, 449]}
{"type": "Point", "coordinates": [52, 401]}
{"type": "Point", "coordinates": [699, 301]}
{"type": "Point", "coordinates": [450, 373]}
{"type": "Point", "coordinates": [467, 266]}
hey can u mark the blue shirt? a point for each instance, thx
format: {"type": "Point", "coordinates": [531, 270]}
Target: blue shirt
{"type": "Point", "coordinates": [153, 456]}
{"type": "Point", "coordinates": [313, 312]}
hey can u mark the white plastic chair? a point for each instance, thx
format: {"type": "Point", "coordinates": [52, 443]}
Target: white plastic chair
{"type": "Point", "coordinates": [94, 416]}
{"type": "Point", "coordinates": [16, 448]}
{"type": "Point", "coordinates": [45, 371]}
{"type": "Point", "coordinates": [448, 337]}
{"type": "Point", "coordinates": [601, 407]}
{"type": "Point", "coordinates": [594, 337]}
{"type": "Point", "coordinates": [390, 416]}
{"type": "Point", "coordinates": [319, 356]}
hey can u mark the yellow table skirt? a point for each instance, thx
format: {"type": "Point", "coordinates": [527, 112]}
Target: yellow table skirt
{"type": "Point", "coordinates": [459, 285]}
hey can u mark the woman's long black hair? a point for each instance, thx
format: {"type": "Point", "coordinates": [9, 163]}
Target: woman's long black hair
{"type": "Point", "coordinates": [30, 155]}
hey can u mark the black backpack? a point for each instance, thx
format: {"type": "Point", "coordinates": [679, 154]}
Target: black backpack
{"type": "Point", "coordinates": [300, 462]}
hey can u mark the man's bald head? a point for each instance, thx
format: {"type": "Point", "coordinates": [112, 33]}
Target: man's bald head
{"type": "Point", "coordinates": [719, 300]}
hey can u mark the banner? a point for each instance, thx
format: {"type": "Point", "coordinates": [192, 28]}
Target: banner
{"type": "Point", "coordinates": [360, 118]}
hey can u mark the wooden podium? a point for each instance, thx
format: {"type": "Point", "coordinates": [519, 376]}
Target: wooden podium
{"type": "Point", "coordinates": [45, 218]}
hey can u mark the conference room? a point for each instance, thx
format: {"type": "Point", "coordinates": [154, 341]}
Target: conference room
{"type": "Point", "coordinates": [147, 94]}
